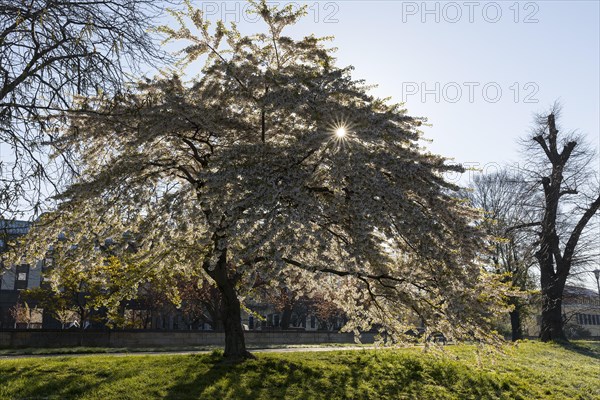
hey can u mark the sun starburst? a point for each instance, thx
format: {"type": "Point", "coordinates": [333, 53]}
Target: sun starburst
{"type": "Point", "coordinates": [341, 132]}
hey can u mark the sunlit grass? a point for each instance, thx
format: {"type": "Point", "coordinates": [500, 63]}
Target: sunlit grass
{"type": "Point", "coordinates": [529, 371]}
{"type": "Point", "coordinates": [41, 351]}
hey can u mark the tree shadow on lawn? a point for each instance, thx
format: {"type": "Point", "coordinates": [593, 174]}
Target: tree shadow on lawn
{"type": "Point", "coordinates": [41, 382]}
{"type": "Point", "coordinates": [348, 376]}
{"type": "Point", "coordinates": [262, 378]}
{"type": "Point", "coordinates": [291, 376]}
{"type": "Point", "coordinates": [593, 351]}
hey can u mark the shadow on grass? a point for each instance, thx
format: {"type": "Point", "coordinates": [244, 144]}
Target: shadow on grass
{"type": "Point", "coordinates": [345, 376]}
{"type": "Point", "coordinates": [592, 350]}
{"type": "Point", "coordinates": [260, 378]}
{"type": "Point", "coordinates": [41, 382]}
{"type": "Point", "coordinates": [369, 374]}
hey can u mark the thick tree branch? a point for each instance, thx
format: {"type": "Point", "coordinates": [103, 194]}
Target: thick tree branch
{"type": "Point", "coordinates": [358, 274]}
{"type": "Point", "coordinates": [542, 143]}
{"type": "Point", "coordinates": [521, 226]}
{"type": "Point", "coordinates": [576, 234]}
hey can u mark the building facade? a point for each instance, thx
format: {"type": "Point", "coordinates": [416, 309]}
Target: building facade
{"type": "Point", "coordinates": [581, 312]}
{"type": "Point", "coordinates": [15, 278]}
{"type": "Point", "coordinates": [142, 313]}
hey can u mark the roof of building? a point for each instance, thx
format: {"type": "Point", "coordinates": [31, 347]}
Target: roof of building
{"type": "Point", "coordinates": [579, 291]}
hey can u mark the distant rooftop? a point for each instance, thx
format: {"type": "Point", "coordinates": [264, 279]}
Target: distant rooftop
{"type": "Point", "coordinates": [579, 291]}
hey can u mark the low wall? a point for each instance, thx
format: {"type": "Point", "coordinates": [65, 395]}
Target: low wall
{"type": "Point", "coordinates": [61, 338]}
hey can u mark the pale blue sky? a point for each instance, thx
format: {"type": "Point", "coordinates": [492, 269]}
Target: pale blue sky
{"type": "Point", "coordinates": [551, 52]}
{"type": "Point", "coordinates": [389, 44]}
{"type": "Point", "coordinates": [554, 56]}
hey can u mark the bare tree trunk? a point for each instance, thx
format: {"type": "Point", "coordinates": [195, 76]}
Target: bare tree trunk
{"type": "Point", "coordinates": [555, 265]}
{"type": "Point", "coordinates": [235, 345]}
{"type": "Point", "coordinates": [286, 316]}
{"type": "Point", "coordinates": [552, 320]}
{"type": "Point", "coordinates": [516, 323]}
{"type": "Point", "coordinates": [215, 312]}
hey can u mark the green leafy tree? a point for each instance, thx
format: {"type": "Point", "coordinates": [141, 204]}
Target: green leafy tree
{"type": "Point", "coordinates": [73, 296]}
{"type": "Point", "coordinates": [71, 292]}
{"type": "Point", "coordinates": [275, 165]}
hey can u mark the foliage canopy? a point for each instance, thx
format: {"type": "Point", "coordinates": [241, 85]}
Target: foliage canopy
{"type": "Point", "coordinates": [240, 176]}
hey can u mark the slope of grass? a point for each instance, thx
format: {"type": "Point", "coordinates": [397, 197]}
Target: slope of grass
{"type": "Point", "coordinates": [529, 371]}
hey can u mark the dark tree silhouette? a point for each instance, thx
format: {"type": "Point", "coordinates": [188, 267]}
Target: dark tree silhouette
{"type": "Point", "coordinates": [52, 51]}
{"type": "Point", "coordinates": [571, 198]}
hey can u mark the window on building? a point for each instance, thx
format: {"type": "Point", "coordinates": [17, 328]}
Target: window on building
{"type": "Point", "coordinates": [21, 274]}
{"type": "Point", "coordinates": [250, 322]}
{"type": "Point", "coordinates": [312, 322]}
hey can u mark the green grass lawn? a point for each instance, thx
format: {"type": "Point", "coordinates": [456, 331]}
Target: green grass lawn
{"type": "Point", "coordinates": [97, 350]}
{"type": "Point", "coordinates": [37, 351]}
{"type": "Point", "coordinates": [529, 371]}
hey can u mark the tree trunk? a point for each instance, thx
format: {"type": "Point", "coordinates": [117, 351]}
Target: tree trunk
{"type": "Point", "coordinates": [216, 312]}
{"type": "Point", "coordinates": [549, 254]}
{"type": "Point", "coordinates": [552, 319]}
{"type": "Point", "coordinates": [286, 316]}
{"type": "Point", "coordinates": [235, 345]}
{"type": "Point", "coordinates": [516, 323]}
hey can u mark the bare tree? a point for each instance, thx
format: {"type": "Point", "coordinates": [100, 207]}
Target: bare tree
{"type": "Point", "coordinates": [52, 51]}
{"type": "Point", "coordinates": [511, 214]}
{"type": "Point", "coordinates": [571, 198]}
